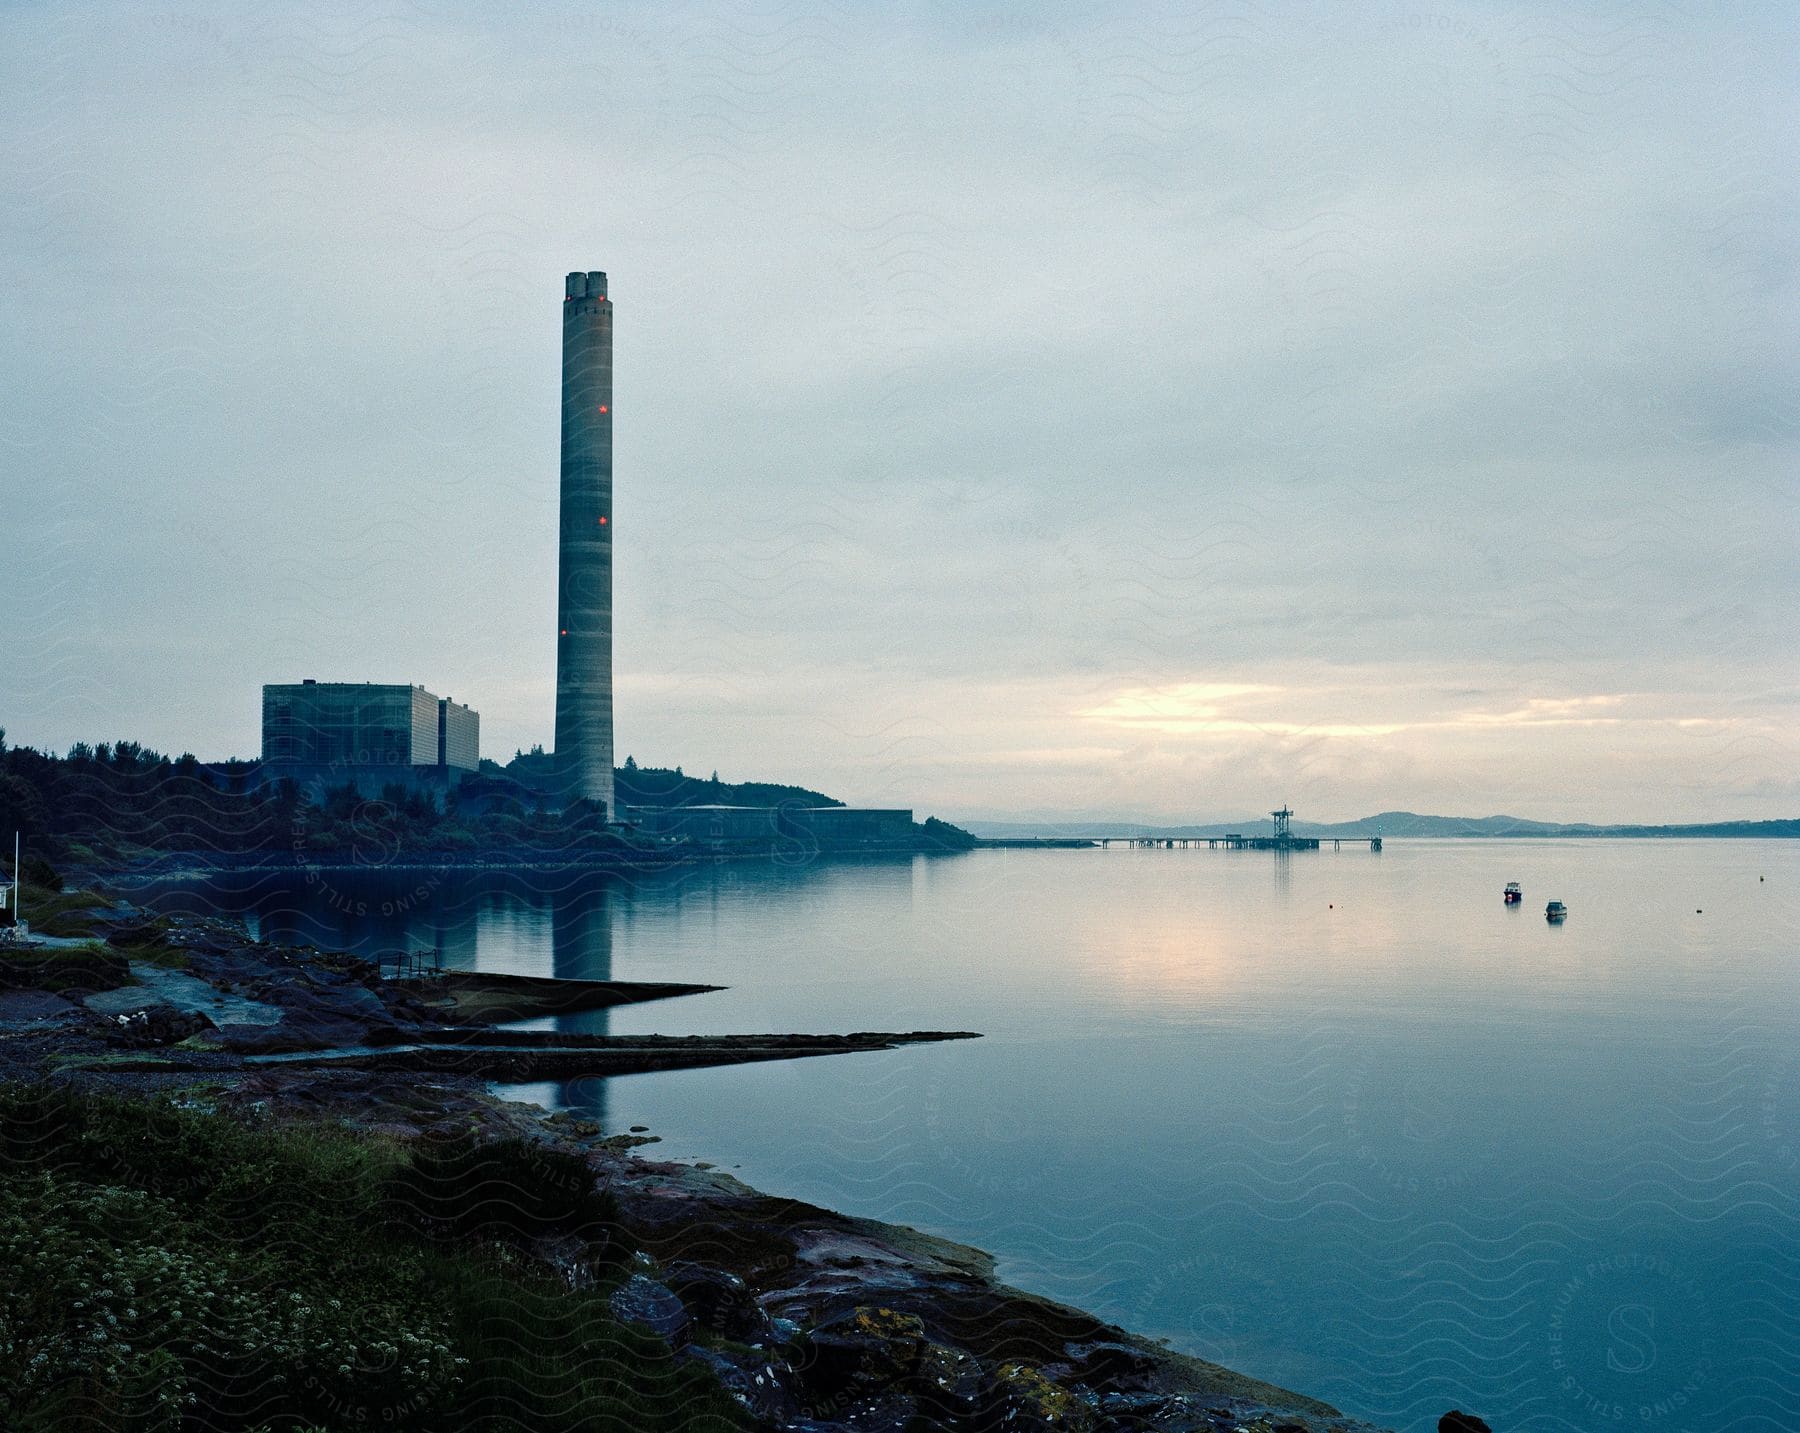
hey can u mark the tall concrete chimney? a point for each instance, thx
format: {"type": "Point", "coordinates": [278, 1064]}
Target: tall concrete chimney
{"type": "Point", "coordinates": [584, 724]}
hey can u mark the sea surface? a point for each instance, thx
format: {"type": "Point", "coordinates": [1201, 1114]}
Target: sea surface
{"type": "Point", "coordinates": [1340, 1120]}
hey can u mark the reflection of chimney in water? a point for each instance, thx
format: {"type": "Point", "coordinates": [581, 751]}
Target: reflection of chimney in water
{"type": "Point", "coordinates": [581, 949]}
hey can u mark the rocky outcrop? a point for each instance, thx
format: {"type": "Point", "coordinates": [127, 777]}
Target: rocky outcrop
{"type": "Point", "coordinates": [641, 1300]}
{"type": "Point", "coordinates": [870, 1316]}
{"type": "Point", "coordinates": [721, 1302]}
{"type": "Point", "coordinates": [160, 1025]}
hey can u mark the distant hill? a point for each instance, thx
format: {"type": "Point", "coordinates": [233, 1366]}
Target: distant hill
{"type": "Point", "coordinates": [659, 786]}
{"type": "Point", "coordinates": [1390, 824]}
{"type": "Point", "coordinates": [1408, 823]}
{"type": "Point", "coordinates": [637, 786]}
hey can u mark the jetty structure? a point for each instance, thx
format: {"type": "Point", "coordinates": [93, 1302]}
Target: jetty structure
{"type": "Point", "coordinates": [584, 685]}
{"type": "Point", "coordinates": [1281, 839]}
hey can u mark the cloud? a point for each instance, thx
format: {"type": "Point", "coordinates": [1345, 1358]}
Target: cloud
{"type": "Point", "coordinates": [982, 378]}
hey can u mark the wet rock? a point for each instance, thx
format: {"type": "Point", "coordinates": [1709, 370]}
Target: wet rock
{"type": "Point", "coordinates": [567, 1121]}
{"type": "Point", "coordinates": [127, 926]}
{"type": "Point", "coordinates": [763, 1386]}
{"type": "Point", "coordinates": [572, 1256]}
{"type": "Point", "coordinates": [642, 1301]}
{"type": "Point", "coordinates": [310, 1016]}
{"type": "Point", "coordinates": [159, 1025]}
{"type": "Point", "coordinates": [1116, 1405]}
{"type": "Point", "coordinates": [619, 1143]}
{"type": "Point", "coordinates": [861, 1352]}
{"type": "Point", "coordinates": [720, 1301]}
{"type": "Point", "coordinates": [208, 935]}
{"type": "Point", "coordinates": [1456, 1421]}
{"type": "Point", "coordinates": [307, 1032]}
{"type": "Point", "coordinates": [255, 1039]}
{"type": "Point", "coordinates": [1021, 1397]}
{"type": "Point", "coordinates": [890, 1412]}
{"type": "Point", "coordinates": [1188, 1413]}
{"type": "Point", "coordinates": [1109, 1364]}
{"type": "Point", "coordinates": [947, 1385]}
{"type": "Point", "coordinates": [887, 1413]}
{"type": "Point", "coordinates": [357, 1001]}
{"type": "Point", "coordinates": [302, 1003]}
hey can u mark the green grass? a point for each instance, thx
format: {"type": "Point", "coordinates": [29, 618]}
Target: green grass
{"type": "Point", "coordinates": [170, 1268]}
{"type": "Point", "coordinates": [68, 970]}
{"type": "Point", "coordinates": [556, 1360]}
{"type": "Point", "coordinates": [63, 1061]}
{"type": "Point", "coordinates": [62, 913]}
{"type": "Point", "coordinates": [167, 956]}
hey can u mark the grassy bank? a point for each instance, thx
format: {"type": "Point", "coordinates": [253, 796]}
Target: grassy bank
{"type": "Point", "coordinates": [169, 1268]}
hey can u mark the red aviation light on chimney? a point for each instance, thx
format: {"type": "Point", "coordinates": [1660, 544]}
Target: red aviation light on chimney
{"type": "Point", "coordinates": [601, 521]}
{"type": "Point", "coordinates": [603, 408]}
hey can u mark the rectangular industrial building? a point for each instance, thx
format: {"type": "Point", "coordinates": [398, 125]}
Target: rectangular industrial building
{"type": "Point", "coordinates": [366, 725]}
{"type": "Point", "coordinates": [708, 825]}
{"type": "Point", "coordinates": [458, 736]}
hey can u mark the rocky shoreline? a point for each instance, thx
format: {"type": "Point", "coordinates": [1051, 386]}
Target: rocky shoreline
{"type": "Point", "coordinates": [810, 1319]}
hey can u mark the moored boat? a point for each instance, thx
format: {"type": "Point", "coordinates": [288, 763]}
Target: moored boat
{"type": "Point", "coordinates": [1555, 911]}
{"type": "Point", "coordinates": [1513, 894]}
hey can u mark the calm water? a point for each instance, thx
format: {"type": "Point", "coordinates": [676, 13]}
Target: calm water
{"type": "Point", "coordinates": [1343, 1121]}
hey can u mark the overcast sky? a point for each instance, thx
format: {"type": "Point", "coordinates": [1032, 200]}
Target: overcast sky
{"type": "Point", "coordinates": [1019, 411]}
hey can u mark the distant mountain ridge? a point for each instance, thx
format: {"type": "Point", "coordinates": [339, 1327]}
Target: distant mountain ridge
{"type": "Point", "coordinates": [1387, 823]}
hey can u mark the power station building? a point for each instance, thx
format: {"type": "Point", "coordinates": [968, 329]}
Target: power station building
{"type": "Point", "coordinates": [366, 733]}
{"type": "Point", "coordinates": [584, 719]}
{"type": "Point", "coordinates": [458, 736]}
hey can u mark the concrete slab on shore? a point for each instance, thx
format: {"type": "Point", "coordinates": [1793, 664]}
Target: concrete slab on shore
{"type": "Point", "coordinates": [159, 986]}
{"type": "Point", "coordinates": [521, 1057]}
{"type": "Point", "coordinates": [480, 997]}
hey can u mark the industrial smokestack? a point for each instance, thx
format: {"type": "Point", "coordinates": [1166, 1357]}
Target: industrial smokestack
{"type": "Point", "coordinates": [584, 726]}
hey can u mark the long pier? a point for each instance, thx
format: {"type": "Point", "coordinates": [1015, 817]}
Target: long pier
{"type": "Point", "coordinates": [1283, 839]}
{"type": "Point", "coordinates": [1237, 842]}
{"type": "Point", "coordinates": [1231, 842]}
